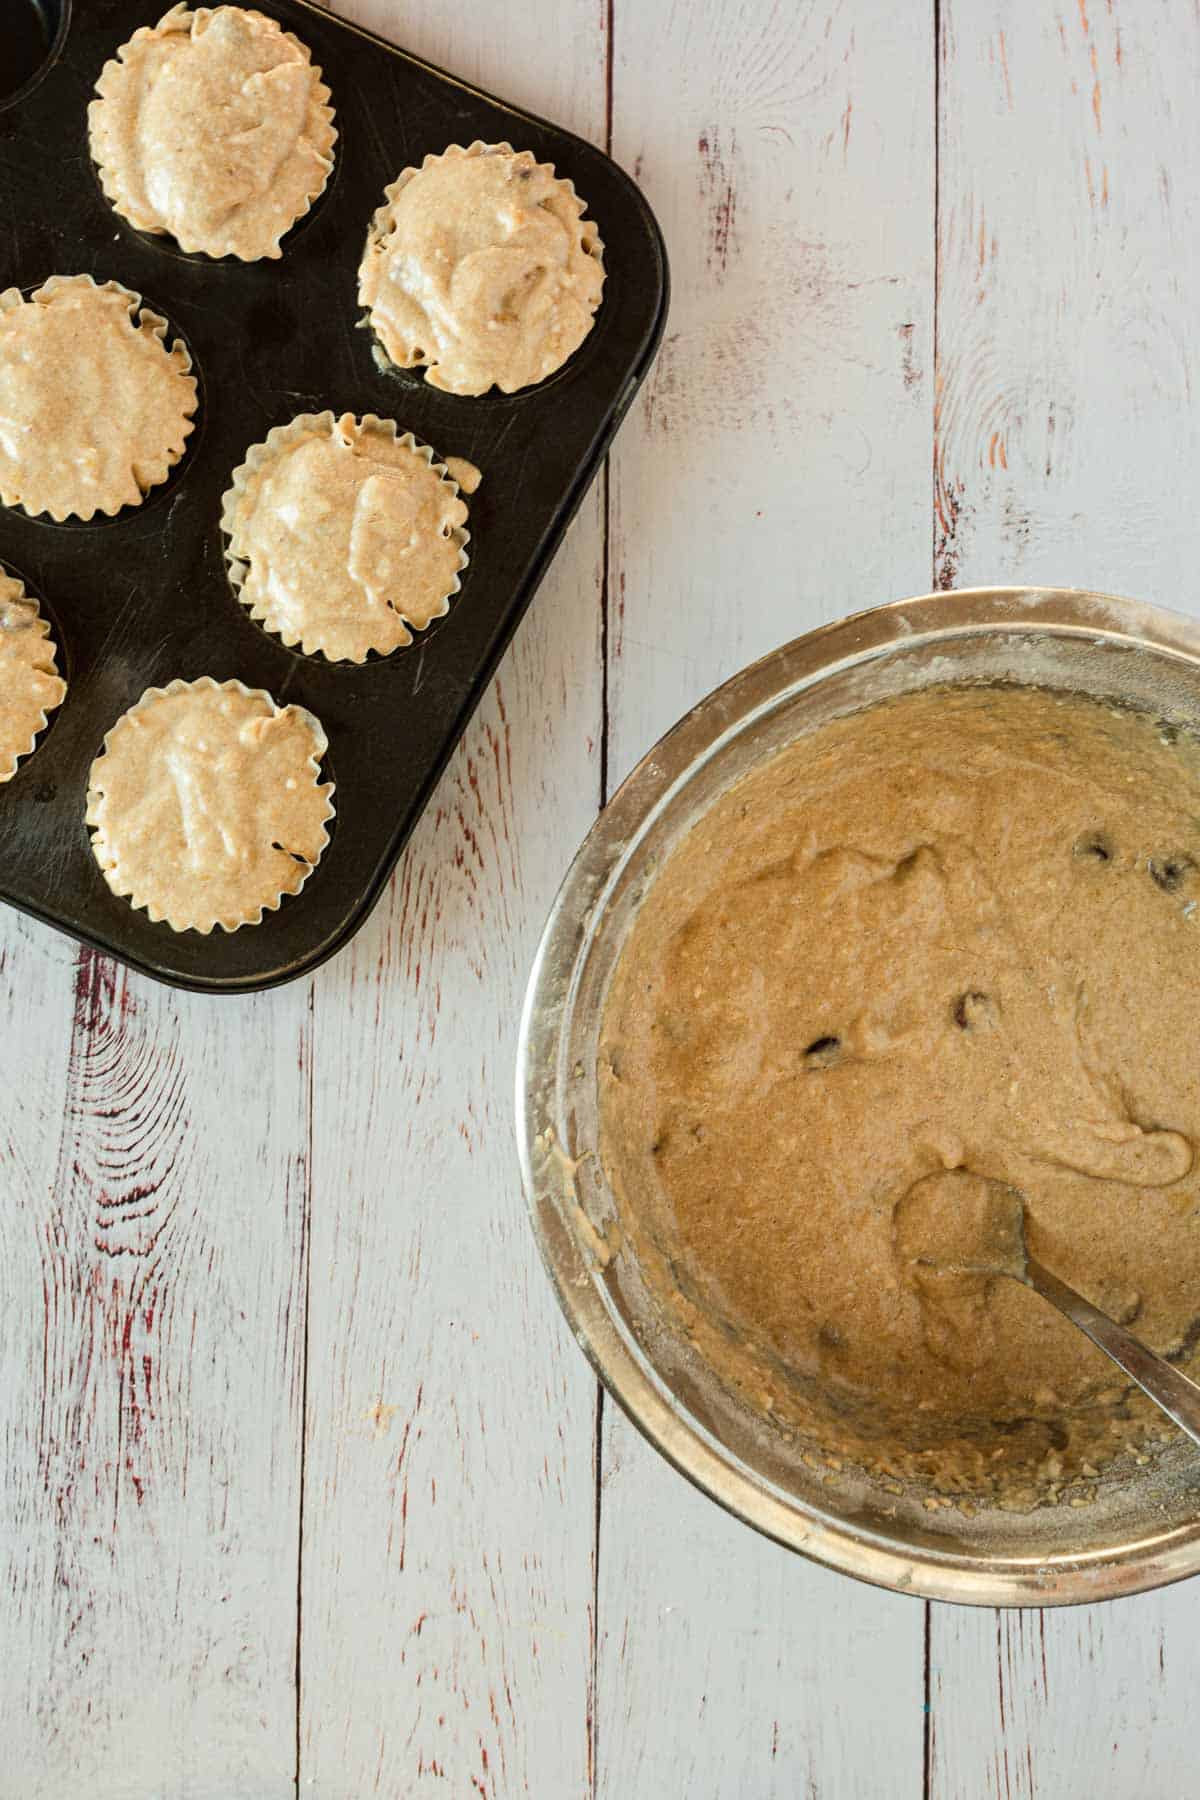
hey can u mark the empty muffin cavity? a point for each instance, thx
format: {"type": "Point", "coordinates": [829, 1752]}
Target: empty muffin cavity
{"type": "Point", "coordinates": [33, 31]}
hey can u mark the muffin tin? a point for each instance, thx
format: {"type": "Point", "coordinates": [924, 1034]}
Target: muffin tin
{"type": "Point", "coordinates": [143, 598]}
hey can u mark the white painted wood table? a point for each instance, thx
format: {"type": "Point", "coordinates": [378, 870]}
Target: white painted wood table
{"type": "Point", "coordinates": [305, 1487]}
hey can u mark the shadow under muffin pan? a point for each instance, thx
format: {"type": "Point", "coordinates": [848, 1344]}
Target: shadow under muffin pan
{"type": "Point", "coordinates": [141, 599]}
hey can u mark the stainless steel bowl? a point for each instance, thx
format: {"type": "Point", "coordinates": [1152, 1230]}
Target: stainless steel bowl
{"type": "Point", "coordinates": [1143, 1529]}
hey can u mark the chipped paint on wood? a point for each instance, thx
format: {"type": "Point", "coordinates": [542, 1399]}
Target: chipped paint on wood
{"type": "Point", "coordinates": [150, 1356]}
{"type": "Point", "coordinates": [447, 1630]}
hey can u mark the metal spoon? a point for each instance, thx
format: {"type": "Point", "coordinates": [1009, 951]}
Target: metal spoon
{"type": "Point", "coordinates": [995, 1221]}
{"type": "Point", "coordinates": [1169, 1389]}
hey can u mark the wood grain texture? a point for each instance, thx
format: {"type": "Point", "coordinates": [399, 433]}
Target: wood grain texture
{"type": "Point", "coordinates": [449, 1486]}
{"type": "Point", "coordinates": [154, 1197]}
{"type": "Point", "coordinates": [774, 474]}
{"type": "Point", "coordinates": [1068, 449]}
{"type": "Point", "coordinates": [1068, 436]}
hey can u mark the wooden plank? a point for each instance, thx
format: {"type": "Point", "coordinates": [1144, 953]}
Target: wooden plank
{"type": "Point", "coordinates": [775, 474]}
{"type": "Point", "coordinates": [1092, 1701]}
{"type": "Point", "coordinates": [1068, 450]}
{"type": "Point", "coordinates": [1069, 253]}
{"type": "Point", "coordinates": [449, 1486]}
{"type": "Point", "coordinates": [150, 1293]}
{"type": "Point", "coordinates": [36, 981]}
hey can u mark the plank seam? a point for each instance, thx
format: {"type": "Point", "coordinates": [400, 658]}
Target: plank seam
{"type": "Point", "coordinates": [598, 1427]}
{"type": "Point", "coordinates": [306, 1284]}
{"type": "Point", "coordinates": [927, 1672]}
{"type": "Point", "coordinates": [935, 581]}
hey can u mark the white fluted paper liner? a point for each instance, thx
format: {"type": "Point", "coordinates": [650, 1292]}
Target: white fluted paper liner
{"type": "Point", "coordinates": [122, 136]}
{"type": "Point", "coordinates": [206, 806]}
{"type": "Point", "coordinates": [30, 684]}
{"type": "Point", "coordinates": [97, 409]}
{"type": "Point", "coordinates": [441, 304]}
{"type": "Point", "coordinates": [340, 553]}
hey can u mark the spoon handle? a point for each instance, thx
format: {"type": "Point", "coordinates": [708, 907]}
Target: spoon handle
{"type": "Point", "coordinates": [1178, 1397]}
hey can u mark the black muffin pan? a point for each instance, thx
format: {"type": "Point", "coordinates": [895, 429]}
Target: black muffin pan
{"type": "Point", "coordinates": [140, 599]}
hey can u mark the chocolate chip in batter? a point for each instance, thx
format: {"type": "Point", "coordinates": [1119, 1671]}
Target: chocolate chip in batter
{"type": "Point", "coordinates": [823, 1052]}
{"type": "Point", "coordinates": [974, 1011]}
{"type": "Point", "coordinates": [1170, 872]}
{"type": "Point", "coordinates": [1094, 847]}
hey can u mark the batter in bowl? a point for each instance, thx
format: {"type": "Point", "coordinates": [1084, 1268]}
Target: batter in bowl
{"type": "Point", "coordinates": [957, 931]}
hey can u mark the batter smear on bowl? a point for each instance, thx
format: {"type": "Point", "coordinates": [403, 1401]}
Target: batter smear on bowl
{"type": "Point", "coordinates": [955, 932]}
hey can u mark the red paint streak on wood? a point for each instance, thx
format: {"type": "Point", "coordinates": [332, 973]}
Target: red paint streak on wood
{"type": "Point", "coordinates": [909, 372]}
{"type": "Point", "coordinates": [717, 183]}
{"type": "Point", "coordinates": [1000, 1669]}
{"type": "Point", "coordinates": [1083, 18]}
{"type": "Point", "coordinates": [948, 509]}
{"type": "Point", "coordinates": [1096, 90]}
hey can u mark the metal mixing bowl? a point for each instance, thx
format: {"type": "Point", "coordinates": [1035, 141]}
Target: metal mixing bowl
{"type": "Point", "coordinates": [1143, 1528]}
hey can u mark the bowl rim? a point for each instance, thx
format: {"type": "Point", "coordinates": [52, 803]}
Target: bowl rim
{"type": "Point", "coordinates": [628, 1375]}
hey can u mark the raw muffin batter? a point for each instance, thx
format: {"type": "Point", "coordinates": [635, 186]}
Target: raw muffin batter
{"type": "Point", "coordinates": [482, 268]}
{"type": "Point", "coordinates": [213, 126]}
{"type": "Point", "coordinates": [95, 408]}
{"type": "Point", "coordinates": [206, 803]}
{"type": "Point", "coordinates": [955, 932]}
{"type": "Point", "coordinates": [343, 533]}
{"type": "Point", "coordinates": [30, 684]}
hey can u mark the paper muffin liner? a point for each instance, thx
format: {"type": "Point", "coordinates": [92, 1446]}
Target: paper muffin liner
{"type": "Point", "coordinates": [276, 443]}
{"type": "Point", "coordinates": [109, 858]}
{"type": "Point", "coordinates": [152, 468]}
{"type": "Point", "coordinates": [47, 689]}
{"type": "Point", "coordinates": [374, 257]}
{"type": "Point", "coordinates": [117, 83]}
